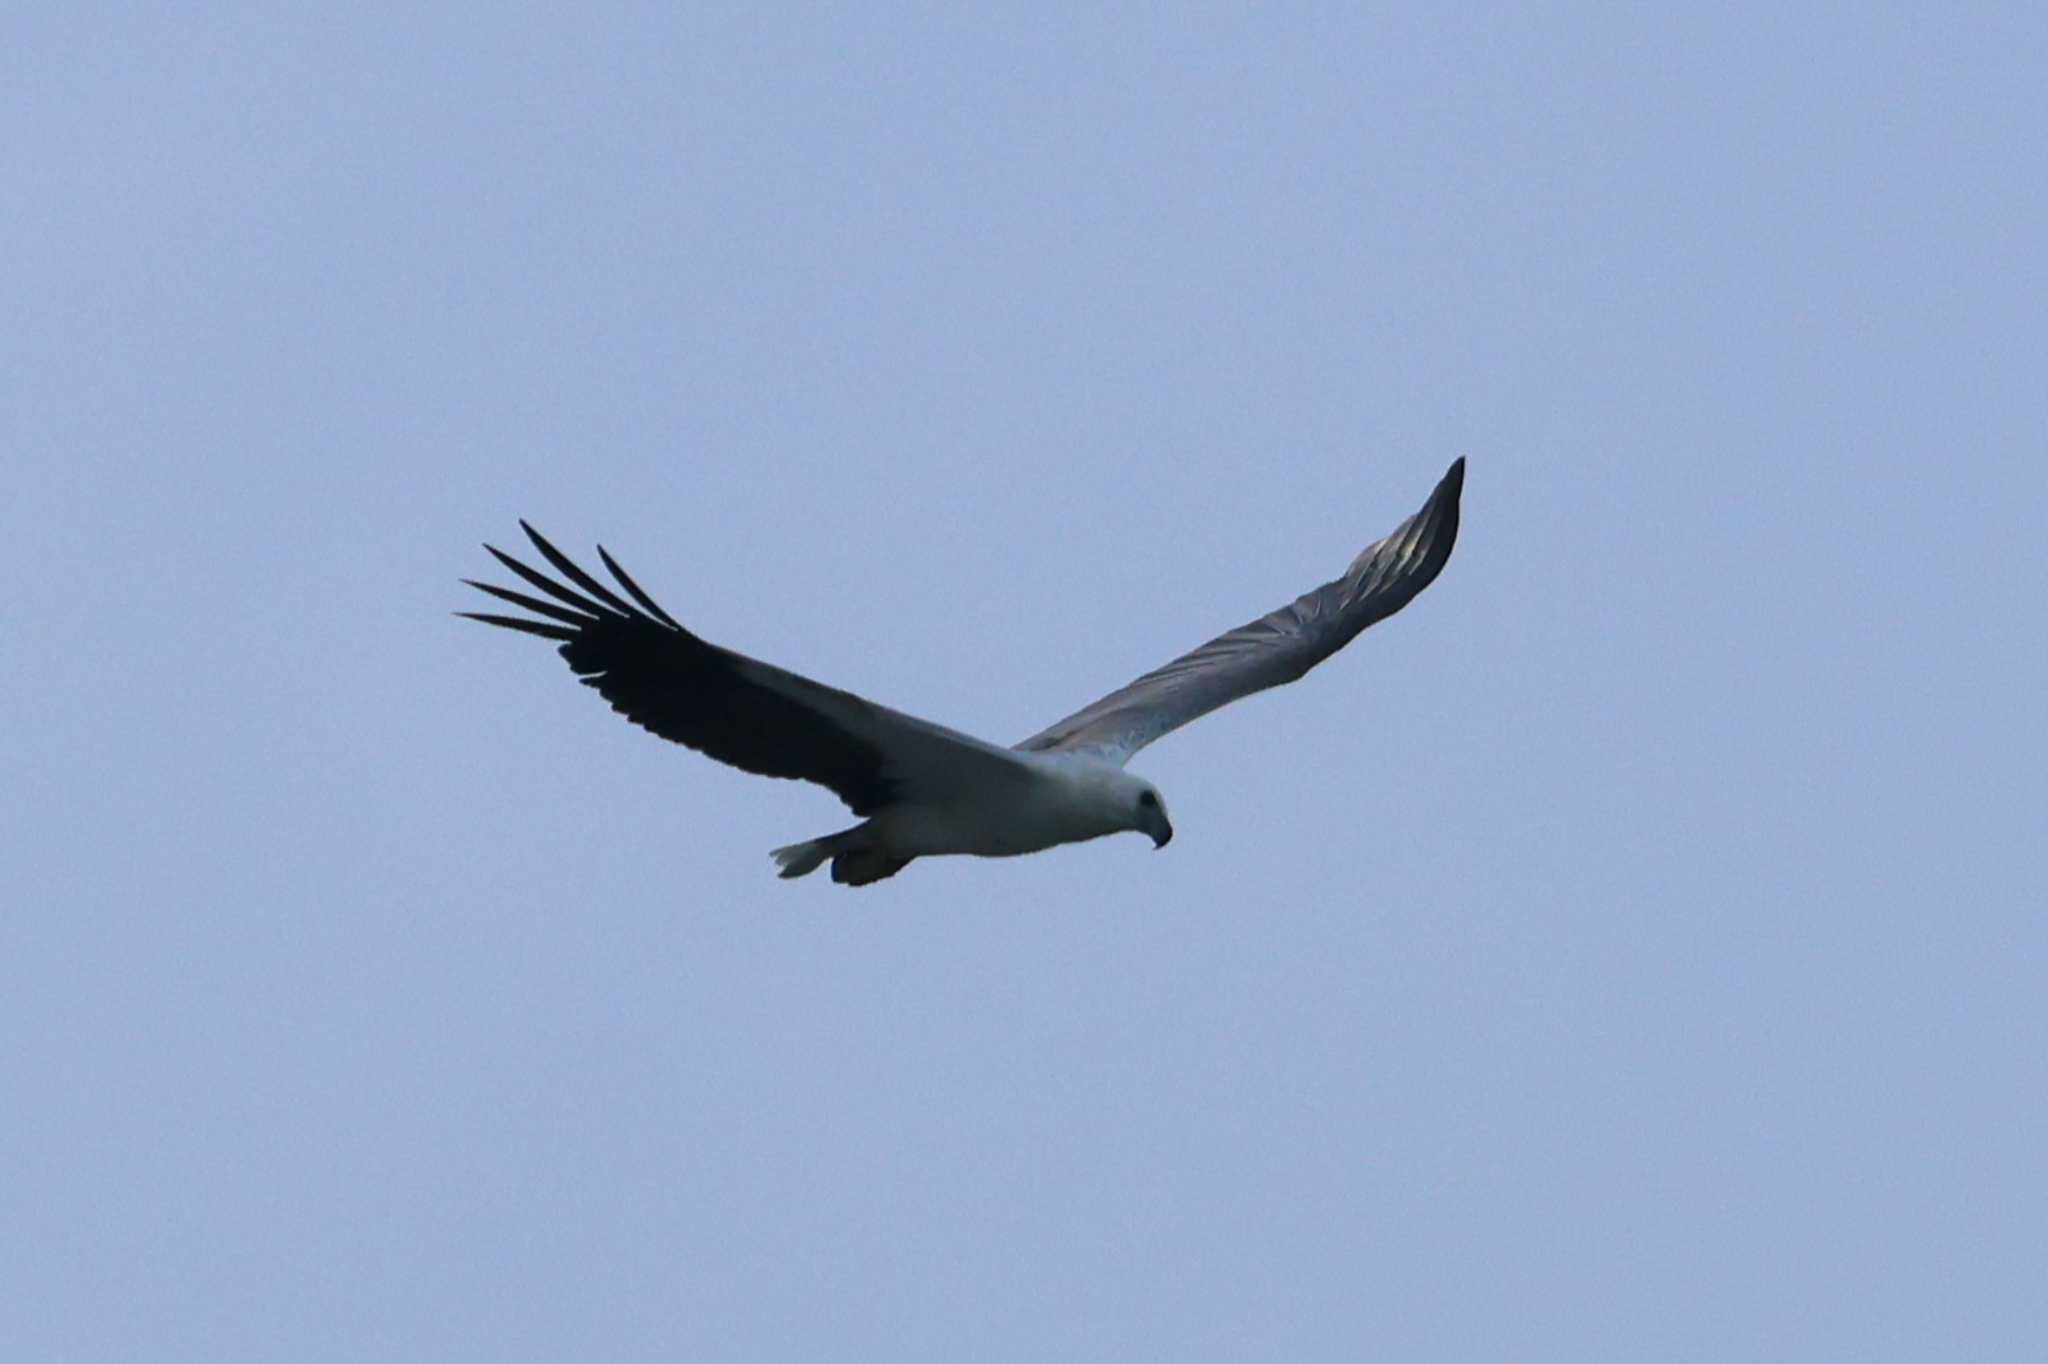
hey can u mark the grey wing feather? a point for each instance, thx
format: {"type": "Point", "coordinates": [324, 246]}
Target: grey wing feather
{"type": "Point", "coordinates": [1277, 647]}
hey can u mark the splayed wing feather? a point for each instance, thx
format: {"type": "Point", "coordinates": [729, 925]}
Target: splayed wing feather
{"type": "Point", "coordinates": [568, 569]}
{"type": "Point", "coordinates": [547, 584]}
{"type": "Point", "coordinates": [533, 604]}
{"type": "Point", "coordinates": [739, 710]}
{"type": "Point", "coordinates": [647, 603]}
{"type": "Point", "coordinates": [531, 627]}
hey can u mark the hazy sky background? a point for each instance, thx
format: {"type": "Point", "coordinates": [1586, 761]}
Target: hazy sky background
{"type": "Point", "coordinates": [1632, 951]}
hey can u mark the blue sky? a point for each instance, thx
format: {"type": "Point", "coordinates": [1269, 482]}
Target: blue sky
{"type": "Point", "coordinates": [1633, 950]}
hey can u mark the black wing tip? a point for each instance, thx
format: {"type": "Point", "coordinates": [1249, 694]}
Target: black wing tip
{"type": "Point", "coordinates": [544, 545]}
{"type": "Point", "coordinates": [625, 580]}
{"type": "Point", "coordinates": [560, 634]}
{"type": "Point", "coordinates": [602, 604]}
{"type": "Point", "coordinates": [1445, 511]}
{"type": "Point", "coordinates": [1439, 516]}
{"type": "Point", "coordinates": [1452, 484]}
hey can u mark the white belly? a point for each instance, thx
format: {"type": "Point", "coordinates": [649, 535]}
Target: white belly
{"type": "Point", "coordinates": [1047, 817]}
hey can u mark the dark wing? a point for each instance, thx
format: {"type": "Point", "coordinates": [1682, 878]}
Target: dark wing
{"type": "Point", "coordinates": [739, 710]}
{"type": "Point", "coordinates": [1277, 647]}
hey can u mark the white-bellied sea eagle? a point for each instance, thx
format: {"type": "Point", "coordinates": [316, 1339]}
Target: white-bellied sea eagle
{"type": "Point", "coordinates": [922, 789]}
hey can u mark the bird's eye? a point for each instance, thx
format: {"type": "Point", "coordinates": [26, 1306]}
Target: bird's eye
{"type": "Point", "coordinates": [1147, 799]}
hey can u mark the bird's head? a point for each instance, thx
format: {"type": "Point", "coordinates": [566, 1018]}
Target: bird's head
{"type": "Point", "coordinates": [1101, 798]}
{"type": "Point", "coordinates": [1148, 815]}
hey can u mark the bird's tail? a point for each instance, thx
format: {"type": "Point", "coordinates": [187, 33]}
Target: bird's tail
{"type": "Point", "coordinates": [855, 861]}
{"type": "Point", "coordinates": [801, 859]}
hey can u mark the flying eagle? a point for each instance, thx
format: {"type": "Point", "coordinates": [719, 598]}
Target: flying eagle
{"type": "Point", "coordinates": [922, 789]}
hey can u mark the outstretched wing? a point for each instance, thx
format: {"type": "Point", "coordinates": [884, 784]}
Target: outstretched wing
{"type": "Point", "coordinates": [741, 711]}
{"type": "Point", "coordinates": [1275, 648]}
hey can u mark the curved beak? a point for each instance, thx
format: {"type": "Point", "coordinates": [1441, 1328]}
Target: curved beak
{"type": "Point", "coordinates": [1160, 829]}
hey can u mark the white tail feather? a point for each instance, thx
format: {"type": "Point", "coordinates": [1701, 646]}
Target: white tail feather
{"type": "Point", "coordinates": [801, 859]}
